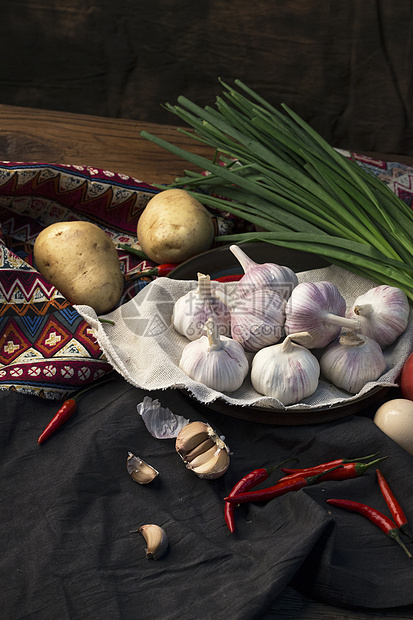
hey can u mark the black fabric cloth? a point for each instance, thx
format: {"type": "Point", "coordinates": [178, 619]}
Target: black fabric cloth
{"type": "Point", "coordinates": [68, 545]}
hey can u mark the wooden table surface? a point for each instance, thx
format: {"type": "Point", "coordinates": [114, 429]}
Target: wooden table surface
{"type": "Point", "coordinates": [33, 135]}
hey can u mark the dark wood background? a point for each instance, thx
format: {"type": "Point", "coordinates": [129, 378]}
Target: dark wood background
{"type": "Point", "coordinates": [345, 66]}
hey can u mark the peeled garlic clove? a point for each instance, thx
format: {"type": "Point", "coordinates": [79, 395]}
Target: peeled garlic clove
{"type": "Point", "coordinates": [317, 308]}
{"type": "Point", "coordinates": [382, 312]}
{"type": "Point", "coordinates": [287, 371]}
{"type": "Point", "coordinates": [216, 361]}
{"type": "Point", "coordinates": [352, 361]}
{"type": "Point", "coordinates": [192, 310]}
{"type": "Point", "coordinates": [156, 540]}
{"type": "Point", "coordinates": [263, 275]}
{"type": "Point", "coordinates": [140, 471]}
{"type": "Point", "coordinates": [202, 450]}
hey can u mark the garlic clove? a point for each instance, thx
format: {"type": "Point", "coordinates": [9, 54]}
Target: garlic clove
{"type": "Point", "coordinates": [383, 313]}
{"type": "Point", "coordinates": [352, 361]}
{"type": "Point", "coordinates": [156, 540]}
{"type": "Point", "coordinates": [263, 275]}
{"type": "Point", "coordinates": [192, 435]}
{"type": "Point", "coordinates": [209, 458]}
{"type": "Point", "coordinates": [215, 467]}
{"type": "Point", "coordinates": [139, 470]}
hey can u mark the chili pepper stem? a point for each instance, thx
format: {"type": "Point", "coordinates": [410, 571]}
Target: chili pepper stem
{"type": "Point", "coordinates": [394, 535]}
{"type": "Point", "coordinates": [404, 529]}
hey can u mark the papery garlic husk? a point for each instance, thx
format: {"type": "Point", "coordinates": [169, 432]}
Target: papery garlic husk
{"type": "Point", "coordinates": [287, 371]}
{"type": "Point", "coordinates": [383, 313]}
{"type": "Point", "coordinates": [156, 540]}
{"type": "Point", "coordinates": [318, 310]}
{"type": "Point", "coordinates": [192, 310]}
{"type": "Point", "coordinates": [202, 450]}
{"type": "Point", "coordinates": [217, 361]}
{"type": "Point", "coordinates": [139, 470]}
{"type": "Point", "coordinates": [263, 275]}
{"type": "Point", "coordinates": [352, 361]}
{"type": "Point", "coordinates": [257, 319]}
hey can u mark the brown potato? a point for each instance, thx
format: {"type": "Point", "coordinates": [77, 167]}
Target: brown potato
{"type": "Point", "coordinates": [174, 226]}
{"type": "Point", "coordinates": [81, 261]}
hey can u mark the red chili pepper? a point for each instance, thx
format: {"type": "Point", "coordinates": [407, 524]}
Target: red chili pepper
{"type": "Point", "coordinates": [396, 510]}
{"type": "Point", "coordinates": [247, 482]}
{"type": "Point", "coordinates": [376, 517]}
{"type": "Point", "coordinates": [350, 470]}
{"type": "Point", "coordinates": [158, 271]}
{"type": "Point", "coordinates": [316, 469]}
{"type": "Point", "coordinates": [66, 411]}
{"type": "Point", "coordinates": [231, 278]}
{"type": "Point", "coordinates": [281, 488]}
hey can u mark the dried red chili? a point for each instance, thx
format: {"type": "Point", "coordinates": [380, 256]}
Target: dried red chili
{"type": "Point", "coordinates": [396, 510]}
{"type": "Point", "coordinates": [281, 488]}
{"type": "Point", "coordinates": [66, 411]}
{"type": "Point", "coordinates": [249, 481]}
{"type": "Point", "coordinates": [376, 517]}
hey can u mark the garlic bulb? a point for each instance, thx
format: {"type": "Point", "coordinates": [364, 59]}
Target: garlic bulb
{"type": "Point", "coordinates": [202, 450]}
{"type": "Point", "coordinates": [216, 361]}
{"type": "Point", "coordinates": [192, 310]}
{"type": "Point", "coordinates": [352, 361]}
{"type": "Point", "coordinates": [317, 308]}
{"type": "Point", "coordinates": [382, 312]}
{"type": "Point", "coordinates": [257, 319]}
{"type": "Point", "coordinates": [268, 275]}
{"type": "Point", "coordinates": [287, 371]}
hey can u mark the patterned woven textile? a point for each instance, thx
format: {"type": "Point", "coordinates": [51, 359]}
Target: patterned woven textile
{"type": "Point", "coordinates": [46, 347]}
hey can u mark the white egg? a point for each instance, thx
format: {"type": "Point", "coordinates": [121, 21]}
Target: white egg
{"type": "Point", "coordinates": [395, 418]}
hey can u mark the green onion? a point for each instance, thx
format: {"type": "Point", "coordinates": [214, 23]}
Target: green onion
{"type": "Point", "coordinates": [273, 170]}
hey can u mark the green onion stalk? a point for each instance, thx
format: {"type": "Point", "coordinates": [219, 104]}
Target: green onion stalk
{"type": "Point", "coordinates": [271, 169]}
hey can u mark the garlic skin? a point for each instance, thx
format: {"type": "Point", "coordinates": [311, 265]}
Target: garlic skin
{"type": "Point", "coordinates": [257, 319]}
{"type": "Point", "coordinates": [217, 361]}
{"type": "Point", "coordinates": [192, 310]}
{"type": "Point", "coordinates": [263, 275]}
{"type": "Point", "coordinates": [202, 450]}
{"type": "Point", "coordinates": [382, 312]}
{"type": "Point", "coordinates": [317, 308]}
{"type": "Point", "coordinates": [352, 361]}
{"type": "Point", "coordinates": [287, 371]}
{"type": "Point", "coordinates": [156, 540]}
{"type": "Point", "coordinates": [139, 470]}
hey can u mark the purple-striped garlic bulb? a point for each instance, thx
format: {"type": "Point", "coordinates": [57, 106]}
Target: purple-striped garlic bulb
{"type": "Point", "coordinates": [382, 312]}
{"type": "Point", "coordinates": [317, 308]}
{"type": "Point", "coordinates": [192, 310]}
{"type": "Point", "coordinates": [352, 361]}
{"type": "Point", "coordinates": [263, 275]}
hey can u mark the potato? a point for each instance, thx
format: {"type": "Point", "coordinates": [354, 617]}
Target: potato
{"type": "Point", "coordinates": [81, 261]}
{"type": "Point", "coordinates": [174, 226]}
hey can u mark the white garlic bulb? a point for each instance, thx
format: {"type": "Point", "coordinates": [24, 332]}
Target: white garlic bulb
{"type": "Point", "coordinates": [217, 361]}
{"type": "Point", "coordinates": [287, 371]}
{"type": "Point", "coordinates": [317, 308]}
{"type": "Point", "coordinates": [269, 275]}
{"type": "Point", "coordinates": [192, 310]}
{"type": "Point", "coordinates": [257, 319]}
{"type": "Point", "coordinates": [382, 312]}
{"type": "Point", "coordinates": [352, 361]}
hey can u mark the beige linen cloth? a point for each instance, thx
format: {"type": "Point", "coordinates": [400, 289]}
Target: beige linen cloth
{"type": "Point", "coordinates": [145, 349]}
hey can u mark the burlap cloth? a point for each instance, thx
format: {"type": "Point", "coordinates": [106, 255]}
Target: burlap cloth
{"type": "Point", "coordinates": [145, 349]}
